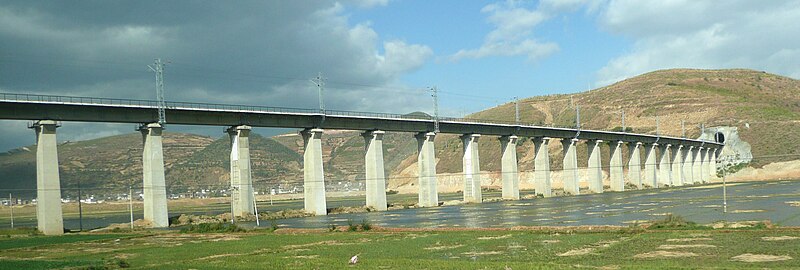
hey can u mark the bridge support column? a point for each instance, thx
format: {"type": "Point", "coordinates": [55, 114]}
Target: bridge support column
{"type": "Point", "coordinates": [707, 166]}
{"type": "Point", "coordinates": [509, 171]}
{"type": "Point", "coordinates": [375, 174]}
{"type": "Point", "coordinates": [595, 166]}
{"type": "Point", "coordinates": [688, 157]}
{"type": "Point", "coordinates": [615, 171]}
{"type": "Point", "coordinates": [703, 167]}
{"type": "Point", "coordinates": [313, 173]}
{"type": "Point", "coordinates": [677, 166]}
{"type": "Point", "coordinates": [471, 168]}
{"type": "Point", "coordinates": [570, 177]}
{"type": "Point", "coordinates": [650, 165]}
{"type": "Point", "coordinates": [241, 182]}
{"type": "Point", "coordinates": [696, 165]}
{"type": "Point", "coordinates": [155, 188]}
{"type": "Point", "coordinates": [541, 171]}
{"type": "Point", "coordinates": [712, 164]}
{"type": "Point", "coordinates": [49, 216]}
{"type": "Point", "coordinates": [664, 165]}
{"type": "Point", "coordinates": [635, 164]}
{"type": "Point", "coordinates": [426, 160]}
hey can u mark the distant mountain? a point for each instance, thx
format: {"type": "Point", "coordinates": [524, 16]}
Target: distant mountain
{"type": "Point", "coordinates": [764, 107]}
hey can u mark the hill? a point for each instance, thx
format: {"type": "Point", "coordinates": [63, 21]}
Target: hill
{"type": "Point", "coordinates": [763, 108]}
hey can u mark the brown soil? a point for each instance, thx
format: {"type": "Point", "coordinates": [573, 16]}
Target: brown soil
{"type": "Point", "coordinates": [577, 252]}
{"type": "Point", "coordinates": [664, 254]}
{"type": "Point", "coordinates": [443, 247]}
{"type": "Point", "coordinates": [685, 246]}
{"type": "Point", "coordinates": [482, 253]}
{"type": "Point", "coordinates": [321, 243]}
{"type": "Point", "coordinates": [494, 237]}
{"type": "Point", "coordinates": [747, 257]}
{"type": "Point", "coordinates": [689, 239]}
{"type": "Point", "coordinates": [779, 238]}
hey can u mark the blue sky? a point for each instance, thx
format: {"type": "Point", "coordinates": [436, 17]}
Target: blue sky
{"type": "Point", "coordinates": [378, 55]}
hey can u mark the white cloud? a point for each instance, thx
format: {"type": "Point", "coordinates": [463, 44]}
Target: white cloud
{"type": "Point", "coordinates": [512, 35]}
{"type": "Point", "coordinates": [369, 3]}
{"type": "Point", "coordinates": [258, 53]}
{"type": "Point", "coordinates": [400, 57]}
{"type": "Point", "coordinates": [702, 34]}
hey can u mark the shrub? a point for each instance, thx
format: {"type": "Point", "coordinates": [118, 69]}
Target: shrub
{"type": "Point", "coordinates": [391, 191]}
{"type": "Point", "coordinates": [350, 226]}
{"type": "Point", "coordinates": [675, 222]}
{"type": "Point", "coordinates": [273, 225]}
{"type": "Point", "coordinates": [212, 228]}
{"type": "Point", "coordinates": [365, 225]}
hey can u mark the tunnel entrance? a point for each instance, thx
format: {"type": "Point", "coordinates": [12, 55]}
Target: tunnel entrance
{"type": "Point", "coordinates": [719, 137]}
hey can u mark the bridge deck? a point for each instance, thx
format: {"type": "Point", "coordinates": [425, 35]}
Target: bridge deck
{"type": "Point", "coordinates": [87, 109]}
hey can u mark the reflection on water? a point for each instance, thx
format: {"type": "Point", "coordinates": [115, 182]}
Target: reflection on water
{"type": "Point", "coordinates": [702, 204]}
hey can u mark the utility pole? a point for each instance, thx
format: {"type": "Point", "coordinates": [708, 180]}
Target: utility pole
{"type": "Point", "coordinates": [657, 127]}
{"type": "Point", "coordinates": [702, 131]}
{"type": "Point", "coordinates": [683, 129]}
{"type": "Point", "coordinates": [724, 187]}
{"type": "Point", "coordinates": [11, 208]}
{"type": "Point", "coordinates": [130, 203]}
{"type": "Point", "coordinates": [158, 68]}
{"type": "Point", "coordinates": [516, 110]}
{"type": "Point", "coordinates": [435, 95]}
{"type": "Point", "coordinates": [578, 117]}
{"type": "Point", "coordinates": [233, 217]}
{"type": "Point", "coordinates": [80, 206]}
{"type": "Point", "coordinates": [319, 81]}
{"type": "Point", "coordinates": [623, 122]}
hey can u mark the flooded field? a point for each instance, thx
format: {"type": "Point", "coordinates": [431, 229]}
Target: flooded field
{"type": "Point", "coordinates": [778, 202]}
{"type": "Point", "coordinates": [775, 201]}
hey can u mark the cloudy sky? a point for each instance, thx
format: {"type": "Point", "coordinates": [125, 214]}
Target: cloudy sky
{"type": "Point", "coordinates": [377, 55]}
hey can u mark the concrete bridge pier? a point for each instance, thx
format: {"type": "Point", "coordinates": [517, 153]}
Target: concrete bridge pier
{"type": "Point", "coordinates": [509, 170]}
{"type": "Point", "coordinates": [635, 164]}
{"type": "Point", "coordinates": [677, 166]}
{"type": "Point", "coordinates": [703, 167]}
{"type": "Point", "coordinates": [688, 157]}
{"type": "Point", "coordinates": [650, 165]}
{"type": "Point", "coordinates": [313, 173]}
{"type": "Point", "coordinates": [541, 171]}
{"type": "Point", "coordinates": [375, 174]}
{"type": "Point", "coordinates": [595, 166]}
{"type": "Point", "coordinates": [570, 172]}
{"type": "Point", "coordinates": [712, 165]}
{"type": "Point", "coordinates": [49, 216]}
{"type": "Point", "coordinates": [471, 168]}
{"type": "Point", "coordinates": [155, 188]}
{"type": "Point", "coordinates": [426, 160]}
{"type": "Point", "coordinates": [696, 165]}
{"type": "Point", "coordinates": [707, 166]}
{"type": "Point", "coordinates": [664, 166]}
{"type": "Point", "coordinates": [615, 170]}
{"type": "Point", "coordinates": [241, 176]}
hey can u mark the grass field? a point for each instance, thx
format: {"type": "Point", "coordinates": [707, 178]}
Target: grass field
{"type": "Point", "coordinates": [522, 248]}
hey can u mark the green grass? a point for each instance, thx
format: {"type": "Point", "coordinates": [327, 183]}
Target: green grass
{"type": "Point", "coordinates": [516, 249]}
{"type": "Point", "coordinates": [35, 241]}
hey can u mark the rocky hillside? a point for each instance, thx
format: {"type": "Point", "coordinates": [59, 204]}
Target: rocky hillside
{"type": "Point", "coordinates": [764, 108]}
